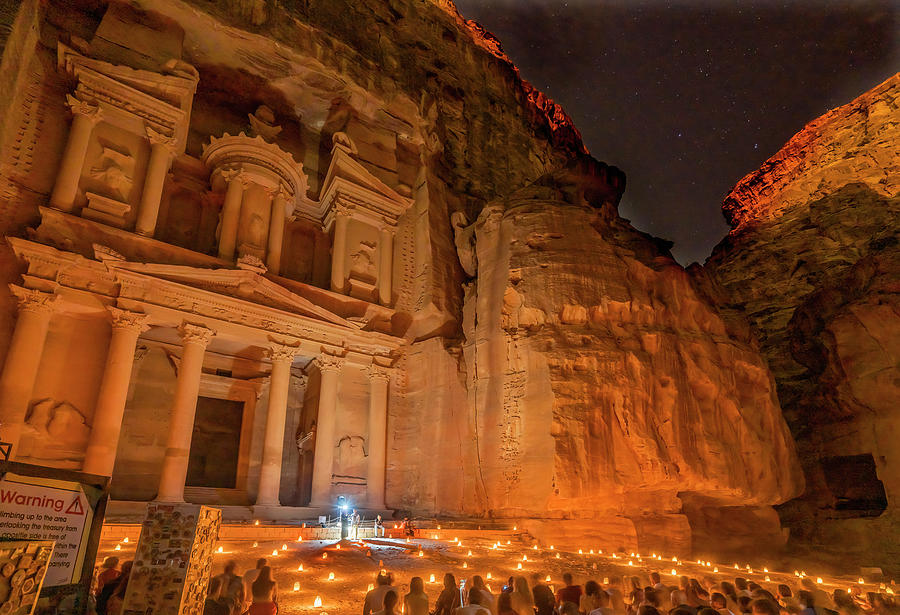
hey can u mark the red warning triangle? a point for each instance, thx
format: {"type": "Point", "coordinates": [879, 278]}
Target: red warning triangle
{"type": "Point", "coordinates": [75, 507]}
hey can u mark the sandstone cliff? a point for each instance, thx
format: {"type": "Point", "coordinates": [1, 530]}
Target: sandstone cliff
{"type": "Point", "coordinates": [601, 384]}
{"type": "Point", "coordinates": [812, 262]}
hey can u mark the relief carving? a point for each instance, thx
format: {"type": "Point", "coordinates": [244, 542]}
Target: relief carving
{"type": "Point", "coordinates": [116, 171]}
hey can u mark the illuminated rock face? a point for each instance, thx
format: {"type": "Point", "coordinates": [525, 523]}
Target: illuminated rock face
{"type": "Point", "coordinates": [601, 383]}
{"type": "Point", "coordinates": [813, 263]}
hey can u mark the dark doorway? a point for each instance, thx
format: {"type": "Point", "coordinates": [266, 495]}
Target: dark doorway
{"type": "Point", "coordinates": [855, 485]}
{"type": "Point", "coordinates": [215, 443]}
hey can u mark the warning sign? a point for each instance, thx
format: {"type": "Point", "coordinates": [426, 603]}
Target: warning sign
{"type": "Point", "coordinates": [45, 509]}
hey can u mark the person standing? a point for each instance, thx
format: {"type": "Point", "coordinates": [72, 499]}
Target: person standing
{"type": "Point", "coordinates": [247, 581]}
{"type": "Point", "coordinates": [232, 589]}
{"type": "Point", "coordinates": [569, 593]}
{"type": "Point", "coordinates": [521, 599]}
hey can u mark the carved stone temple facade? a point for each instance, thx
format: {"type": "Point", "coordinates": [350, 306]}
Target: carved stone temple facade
{"type": "Point", "coordinates": [262, 255]}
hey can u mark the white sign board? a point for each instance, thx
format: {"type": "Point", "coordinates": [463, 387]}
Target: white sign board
{"type": "Point", "coordinates": [45, 509]}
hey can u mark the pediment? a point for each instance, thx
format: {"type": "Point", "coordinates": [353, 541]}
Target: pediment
{"type": "Point", "coordinates": [243, 285]}
{"type": "Point", "coordinates": [347, 171]}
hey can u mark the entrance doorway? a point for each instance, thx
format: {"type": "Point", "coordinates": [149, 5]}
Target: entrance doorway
{"type": "Point", "coordinates": [215, 444]}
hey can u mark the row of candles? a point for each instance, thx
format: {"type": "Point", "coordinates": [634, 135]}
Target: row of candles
{"type": "Point", "coordinates": [498, 545]}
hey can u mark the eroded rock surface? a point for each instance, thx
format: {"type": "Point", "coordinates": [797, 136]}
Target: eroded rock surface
{"type": "Point", "coordinates": [812, 262]}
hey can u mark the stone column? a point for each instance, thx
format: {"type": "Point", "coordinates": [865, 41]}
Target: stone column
{"type": "Point", "coordinates": [270, 471]}
{"type": "Point", "coordinates": [22, 361]}
{"type": "Point", "coordinates": [339, 249]}
{"type": "Point", "coordinates": [276, 231]}
{"type": "Point", "coordinates": [231, 213]}
{"type": "Point", "coordinates": [184, 406]}
{"type": "Point", "coordinates": [378, 399]}
{"type": "Point", "coordinates": [385, 263]}
{"type": "Point", "coordinates": [107, 423]}
{"type": "Point", "coordinates": [85, 116]}
{"type": "Point", "coordinates": [162, 151]}
{"type": "Point", "coordinates": [323, 461]}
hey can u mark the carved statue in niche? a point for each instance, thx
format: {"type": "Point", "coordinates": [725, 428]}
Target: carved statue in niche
{"type": "Point", "coordinates": [262, 124]}
{"type": "Point", "coordinates": [116, 171]}
{"type": "Point", "coordinates": [350, 461]}
{"type": "Point", "coordinates": [56, 431]}
{"type": "Point", "coordinates": [257, 231]}
{"type": "Point", "coordinates": [362, 262]}
{"type": "Point", "coordinates": [464, 239]}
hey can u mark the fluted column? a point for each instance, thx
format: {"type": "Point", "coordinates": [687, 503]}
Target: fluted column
{"type": "Point", "coordinates": [85, 116]}
{"type": "Point", "coordinates": [323, 462]}
{"type": "Point", "coordinates": [107, 423]}
{"type": "Point", "coordinates": [181, 421]}
{"type": "Point", "coordinates": [270, 471]}
{"type": "Point", "coordinates": [22, 361]}
{"type": "Point", "coordinates": [385, 264]}
{"type": "Point", "coordinates": [231, 214]}
{"type": "Point", "coordinates": [162, 152]}
{"type": "Point", "coordinates": [339, 249]}
{"type": "Point", "coordinates": [379, 378]}
{"type": "Point", "coordinates": [276, 231]}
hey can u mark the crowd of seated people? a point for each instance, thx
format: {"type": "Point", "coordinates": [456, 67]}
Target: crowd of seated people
{"type": "Point", "coordinates": [624, 596]}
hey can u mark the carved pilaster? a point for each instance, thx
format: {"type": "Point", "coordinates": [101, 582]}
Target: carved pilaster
{"type": "Point", "coordinates": [330, 363]}
{"type": "Point", "coordinates": [90, 111]}
{"type": "Point", "coordinates": [378, 372]}
{"type": "Point", "coordinates": [282, 352]}
{"type": "Point", "coordinates": [35, 301]}
{"type": "Point", "coordinates": [195, 334]}
{"type": "Point", "coordinates": [124, 319]}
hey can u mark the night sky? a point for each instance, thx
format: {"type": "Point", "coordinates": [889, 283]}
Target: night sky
{"type": "Point", "coordinates": [688, 97]}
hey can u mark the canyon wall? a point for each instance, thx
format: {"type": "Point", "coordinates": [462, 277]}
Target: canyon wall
{"type": "Point", "coordinates": [813, 262]}
{"type": "Point", "coordinates": [558, 366]}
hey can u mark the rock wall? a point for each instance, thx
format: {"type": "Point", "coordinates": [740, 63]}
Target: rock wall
{"type": "Point", "coordinates": [812, 262]}
{"type": "Point", "coordinates": [602, 385]}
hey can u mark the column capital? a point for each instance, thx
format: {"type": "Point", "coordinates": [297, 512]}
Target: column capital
{"type": "Point", "coordinates": [330, 363]}
{"type": "Point", "coordinates": [378, 372]}
{"type": "Point", "coordinates": [158, 138]}
{"type": "Point", "coordinates": [89, 110]}
{"type": "Point", "coordinates": [238, 174]}
{"type": "Point", "coordinates": [282, 352]}
{"type": "Point", "coordinates": [124, 319]}
{"type": "Point", "coordinates": [31, 300]}
{"type": "Point", "coordinates": [195, 334]}
{"type": "Point", "coordinates": [344, 209]}
{"type": "Point", "coordinates": [386, 226]}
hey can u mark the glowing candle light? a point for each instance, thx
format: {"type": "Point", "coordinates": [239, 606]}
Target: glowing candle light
{"type": "Point", "coordinates": [765, 569]}
{"type": "Point", "coordinates": [421, 553]}
{"type": "Point", "coordinates": [515, 527]}
{"type": "Point", "coordinates": [434, 537]}
{"type": "Point", "coordinates": [557, 556]}
{"type": "Point", "coordinates": [300, 568]}
{"type": "Point", "coordinates": [507, 542]}
{"type": "Point", "coordinates": [519, 567]}
{"type": "Point", "coordinates": [630, 563]}
{"type": "Point", "coordinates": [324, 556]}
{"type": "Point", "coordinates": [524, 558]}
{"type": "Point", "coordinates": [861, 581]}
{"type": "Point", "coordinates": [469, 554]}
{"type": "Point", "coordinates": [674, 559]}
{"type": "Point", "coordinates": [456, 539]}
{"type": "Point", "coordinates": [431, 579]}
{"type": "Point", "coordinates": [580, 551]}
{"type": "Point", "coordinates": [767, 578]}
{"type": "Point", "coordinates": [716, 569]}
{"type": "Point", "coordinates": [552, 547]}
{"type": "Point", "coordinates": [370, 587]}
{"type": "Point", "coordinates": [796, 573]}
{"type": "Point", "coordinates": [592, 551]}
{"type": "Point", "coordinates": [256, 522]}
{"type": "Point", "coordinates": [284, 547]}
{"type": "Point", "coordinates": [439, 527]}
{"type": "Point", "coordinates": [118, 548]}
{"type": "Point", "coordinates": [255, 544]}
{"type": "Point", "coordinates": [296, 586]}
{"type": "Point", "coordinates": [299, 538]}
{"type": "Point", "coordinates": [465, 564]}
{"type": "Point", "coordinates": [674, 572]}
{"type": "Point", "coordinates": [489, 576]}
{"type": "Point", "coordinates": [274, 551]}
{"type": "Point", "coordinates": [819, 580]}
{"type": "Point", "coordinates": [125, 539]}
{"type": "Point", "coordinates": [318, 602]}
{"type": "Point", "coordinates": [331, 576]}
{"type": "Point", "coordinates": [220, 550]}
{"type": "Point", "coordinates": [736, 567]}
{"type": "Point", "coordinates": [547, 579]}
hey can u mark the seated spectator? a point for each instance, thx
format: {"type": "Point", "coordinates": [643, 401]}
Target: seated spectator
{"type": "Point", "coordinates": [391, 598]}
{"type": "Point", "coordinates": [570, 592]}
{"type": "Point", "coordinates": [374, 601]}
{"type": "Point", "coordinates": [764, 606]}
{"type": "Point", "coordinates": [416, 601]}
{"type": "Point", "coordinates": [504, 604]}
{"type": "Point", "coordinates": [475, 607]}
{"type": "Point", "coordinates": [264, 593]}
{"type": "Point", "coordinates": [212, 605]}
